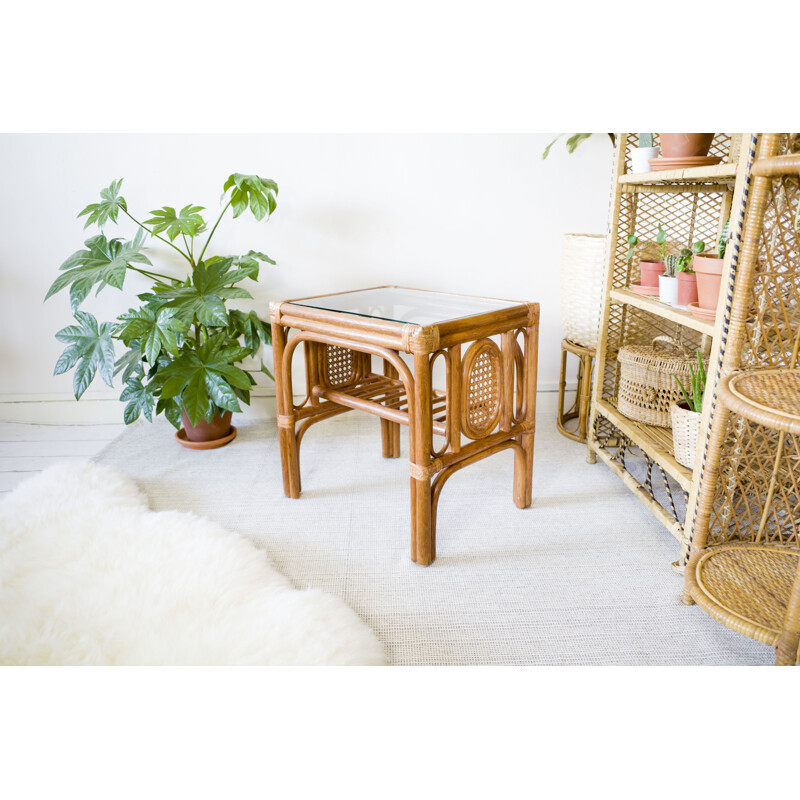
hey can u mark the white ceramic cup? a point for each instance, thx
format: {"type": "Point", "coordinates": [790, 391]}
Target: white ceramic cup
{"type": "Point", "coordinates": [640, 158]}
{"type": "Point", "coordinates": [668, 290]}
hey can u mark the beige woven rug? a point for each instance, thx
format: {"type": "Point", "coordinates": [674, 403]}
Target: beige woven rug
{"type": "Point", "coordinates": [581, 577]}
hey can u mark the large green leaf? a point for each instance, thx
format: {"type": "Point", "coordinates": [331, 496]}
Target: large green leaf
{"type": "Point", "coordinates": [155, 328]}
{"type": "Point", "coordinates": [171, 409]}
{"type": "Point", "coordinates": [203, 294]}
{"type": "Point", "coordinates": [187, 221]}
{"type": "Point", "coordinates": [130, 362]}
{"type": "Point", "coordinates": [259, 194]}
{"type": "Point", "coordinates": [90, 348]}
{"type": "Point", "coordinates": [206, 378]}
{"type": "Point", "coordinates": [104, 263]}
{"type": "Point", "coordinates": [107, 208]}
{"type": "Point", "coordinates": [140, 400]}
{"type": "Point", "coordinates": [254, 330]}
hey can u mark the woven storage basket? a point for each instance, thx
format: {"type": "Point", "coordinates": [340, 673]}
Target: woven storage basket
{"type": "Point", "coordinates": [583, 258]}
{"type": "Point", "coordinates": [685, 429]}
{"type": "Point", "coordinates": [647, 387]}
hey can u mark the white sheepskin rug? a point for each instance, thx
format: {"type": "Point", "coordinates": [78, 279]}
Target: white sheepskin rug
{"type": "Point", "coordinates": [89, 575]}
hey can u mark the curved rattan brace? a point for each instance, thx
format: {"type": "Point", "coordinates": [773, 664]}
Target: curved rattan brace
{"type": "Point", "coordinates": [440, 480]}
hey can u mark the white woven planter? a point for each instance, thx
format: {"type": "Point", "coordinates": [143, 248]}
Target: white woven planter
{"type": "Point", "coordinates": [685, 430]}
{"type": "Point", "coordinates": [583, 260]}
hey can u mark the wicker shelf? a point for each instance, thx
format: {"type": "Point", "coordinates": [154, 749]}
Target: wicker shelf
{"type": "Point", "coordinates": [655, 306]}
{"type": "Point", "coordinates": [692, 205]}
{"type": "Point", "coordinates": [655, 442]}
{"type": "Point", "coordinates": [723, 173]}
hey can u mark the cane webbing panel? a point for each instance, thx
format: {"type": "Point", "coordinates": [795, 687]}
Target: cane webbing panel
{"type": "Point", "coordinates": [767, 396]}
{"type": "Point", "coordinates": [751, 583]}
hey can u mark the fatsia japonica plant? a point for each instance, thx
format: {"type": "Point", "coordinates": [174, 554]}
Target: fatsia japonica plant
{"type": "Point", "coordinates": [183, 346]}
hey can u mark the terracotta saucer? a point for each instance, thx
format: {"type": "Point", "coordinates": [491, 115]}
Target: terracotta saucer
{"type": "Point", "coordinates": [683, 163]}
{"type": "Point", "coordinates": [701, 313]}
{"type": "Point", "coordinates": [182, 440]}
{"type": "Point", "coordinates": [637, 287]}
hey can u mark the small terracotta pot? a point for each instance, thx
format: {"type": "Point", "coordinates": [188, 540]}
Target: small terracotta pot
{"type": "Point", "coordinates": [218, 428]}
{"type": "Point", "coordinates": [685, 145]}
{"type": "Point", "coordinates": [687, 288]}
{"type": "Point", "coordinates": [650, 272]}
{"type": "Point", "coordinates": [709, 277]}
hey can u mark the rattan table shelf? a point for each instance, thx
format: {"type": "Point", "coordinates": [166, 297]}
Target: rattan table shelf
{"type": "Point", "coordinates": [748, 588]}
{"type": "Point", "coordinates": [713, 174]}
{"type": "Point", "coordinates": [769, 397]}
{"type": "Point", "coordinates": [488, 404]}
{"type": "Point", "coordinates": [654, 306]}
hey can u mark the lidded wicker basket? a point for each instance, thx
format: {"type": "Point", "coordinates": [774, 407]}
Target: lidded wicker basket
{"type": "Point", "coordinates": [583, 260]}
{"type": "Point", "coordinates": [647, 386]}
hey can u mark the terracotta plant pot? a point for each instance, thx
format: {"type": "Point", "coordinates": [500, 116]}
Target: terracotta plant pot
{"type": "Point", "coordinates": [650, 272]}
{"type": "Point", "coordinates": [683, 145]}
{"type": "Point", "coordinates": [687, 288]}
{"type": "Point", "coordinates": [668, 290]}
{"type": "Point", "coordinates": [218, 428]}
{"type": "Point", "coordinates": [709, 277]}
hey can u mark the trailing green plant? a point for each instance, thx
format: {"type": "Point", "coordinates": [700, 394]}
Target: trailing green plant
{"type": "Point", "coordinates": [573, 142]}
{"type": "Point", "coordinates": [183, 345]}
{"type": "Point", "coordinates": [645, 140]}
{"type": "Point", "coordinates": [661, 239]}
{"type": "Point", "coordinates": [695, 402]}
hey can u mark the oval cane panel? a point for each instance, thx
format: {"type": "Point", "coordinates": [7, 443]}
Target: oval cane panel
{"type": "Point", "coordinates": [480, 389]}
{"type": "Point", "coordinates": [340, 365]}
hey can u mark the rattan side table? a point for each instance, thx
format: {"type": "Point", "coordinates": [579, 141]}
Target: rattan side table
{"type": "Point", "coordinates": [488, 405]}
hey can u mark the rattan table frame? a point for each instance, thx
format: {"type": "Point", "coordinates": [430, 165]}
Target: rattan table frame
{"type": "Point", "coordinates": [490, 396]}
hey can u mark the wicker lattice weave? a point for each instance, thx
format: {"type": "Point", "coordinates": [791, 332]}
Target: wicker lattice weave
{"type": "Point", "coordinates": [744, 543]}
{"type": "Point", "coordinates": [647, 387]}
{"type": "Point", "coordinates": [582, 266]}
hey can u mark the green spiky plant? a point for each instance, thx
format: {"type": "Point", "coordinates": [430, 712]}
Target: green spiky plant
{"type": "Point", "coordinates": [695, 402]}
{"type": "Point", "coordinates": [645, 140]}
{"type": "Point", "coordinates": [183, 345]}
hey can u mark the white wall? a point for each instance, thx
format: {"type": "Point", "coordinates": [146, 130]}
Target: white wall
{"type": "Point", "coordinates": [480, 214]}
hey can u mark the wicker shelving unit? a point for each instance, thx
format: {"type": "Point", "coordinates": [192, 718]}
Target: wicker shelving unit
{"type": "Point", "coordinates": [743, 532]}
{"type": "Point", "coordinates": [691, 204]}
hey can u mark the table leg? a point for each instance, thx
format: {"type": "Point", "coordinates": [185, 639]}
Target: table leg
{"type": "Point", "coordinates": [421, 436]}
{"type": "Point", "coordinates": [286, 421]}
{"type": "Point", "coordinates": [390, 431]}
{"type": "Point", "coordinates": [523, 467]}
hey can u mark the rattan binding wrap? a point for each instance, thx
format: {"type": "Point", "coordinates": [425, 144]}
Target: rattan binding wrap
{"type": "Point", "coordinates": [583, 259]}
{"type": "Point", "coordinates": [647, 386]}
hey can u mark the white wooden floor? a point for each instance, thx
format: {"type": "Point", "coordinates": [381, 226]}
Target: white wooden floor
{"type": "Point", "coordinates": [29, 447]}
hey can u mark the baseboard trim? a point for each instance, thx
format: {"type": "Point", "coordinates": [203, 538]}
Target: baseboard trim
{"type": "Point", "coordinates": [106, 407]}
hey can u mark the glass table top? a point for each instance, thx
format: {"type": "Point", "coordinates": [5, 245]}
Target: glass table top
{"type": "Point", "coordinates": [406, 305]}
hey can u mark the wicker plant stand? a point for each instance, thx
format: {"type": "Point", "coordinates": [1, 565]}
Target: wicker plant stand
{"type": "Point", "coordinates": [488, 404]}
{"type": "Point", "coordinates": [692, 204]}
{"type": "Point", "coordinates": [743, 547]}
{"type": "Point", "coordinates": [579, 410]}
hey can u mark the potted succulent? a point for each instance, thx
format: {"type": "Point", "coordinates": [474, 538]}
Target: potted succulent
{"type": "Point", "coordinates": [650, 269]}
{"type": "Point", "coordinates": [687, 414]}
{"type": "Point", "coordinates": [685, 145]}
{"type": "Point", "coordinates": [708, 267]}
{"type": "Point", "coordinates": [668, 282]}
{"type": "Point", "coordinates": [686, 280]}
{"type": "Point", "coordinates": [183, 346]}
{"type": "Point", "coordinates": [641, 155]}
